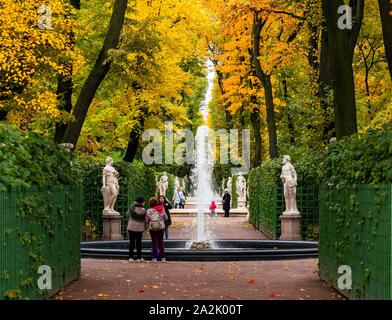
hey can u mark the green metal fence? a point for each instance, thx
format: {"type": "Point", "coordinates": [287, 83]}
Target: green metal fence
{"type": "Point", "coordinates": [39, 227]}
{"type": "Point", "coordinates": [265, 209]}
{"type": "Point", "coordinates": [92, 220]}
{"type": "Point", "coordinates": [355, 231]}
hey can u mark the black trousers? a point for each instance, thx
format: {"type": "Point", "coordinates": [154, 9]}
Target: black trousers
{"type": "Point", "coordinates": [135, 237]}
{"type": "Point", "coordinates": [227, 212]}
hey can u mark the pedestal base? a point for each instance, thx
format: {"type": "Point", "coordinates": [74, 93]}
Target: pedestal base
{"type": "Point", "coordinates": [241, 204]}
{"type": "Point", "coordinates": [290, 227]}
{"type": "Point", "coordinates": [111, 227]}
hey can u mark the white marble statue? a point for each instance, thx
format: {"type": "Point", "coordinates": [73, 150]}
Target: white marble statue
{"type": "Point", "coordinates": [176, 184]}
{"type": "Point", "coordinates": [163, 184]}
{"type": "Point", "coordinates": [241, 187]}
{"type": "Point", "coordinates": [110, 187]}
{"type": "Point", "coordinates": [289, 179]}
{"type": "Point", "coordinates": [229, 184]}
{"type": "Point", "coordinates": [184, 184]}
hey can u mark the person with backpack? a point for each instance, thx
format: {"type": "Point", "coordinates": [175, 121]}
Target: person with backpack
{"type": "Point", "coordinates": [136, 226]}
{"type": "Point", "coordinates": [168, 206]}
{"type": "Point", "coordinates": [156, 217]}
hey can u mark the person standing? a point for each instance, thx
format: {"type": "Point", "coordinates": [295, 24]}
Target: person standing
{"type": "Point", "coordinates": [136, 226]}
{"type": "Point", "coordinates": [182, 198]}
{"type": "Point", "coordinates": [179, 199]}
{"type": "Point", "coordinates": [168, 206]}
{"type": "Point", "coordinates": [213, 209]}
{"type": "Point", "coordinates": [156, 217]}
{"type": "Point", "coordinates": [226, 203]}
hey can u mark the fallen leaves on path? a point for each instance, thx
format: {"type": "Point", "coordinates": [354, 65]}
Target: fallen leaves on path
{"type": "Point", "coordinates": [272, 295]}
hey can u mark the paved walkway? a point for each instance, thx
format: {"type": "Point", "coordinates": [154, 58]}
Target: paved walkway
{"type": "Point", "coordinates": [117, 279]}
{"type": "Point", "coordinates": [184, 227]}
{"type": "Point", "coordinates": [254, 280]}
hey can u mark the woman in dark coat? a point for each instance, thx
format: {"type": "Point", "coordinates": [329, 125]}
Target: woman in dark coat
{"type": "Point", "coordinates": [226, 203]}
{"type": "Point", "coordinates": [167, 205]}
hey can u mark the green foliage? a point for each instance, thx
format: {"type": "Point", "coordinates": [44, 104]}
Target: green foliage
{"type": "Point", "coordinates": [27, 159]}
{"type": "Point", "coordinates": [360, 159]}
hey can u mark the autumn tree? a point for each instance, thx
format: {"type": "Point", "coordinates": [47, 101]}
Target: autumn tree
{"type": "Point", "coordinates": [386, 20]}
{"type": "Point", "coordinates": [97, 74]}
{"type": "Point", "coordinates": [341, 44]}
{"type": "Point", "coordinates": [29, 56]}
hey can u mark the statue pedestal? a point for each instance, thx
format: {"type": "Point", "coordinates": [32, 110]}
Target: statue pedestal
{"type": "Point", "coordinates": [241, 203]}
{"type": "Point", "coordinates": [111, 227]}
{"type": "Point", "coordinates": [290, 227]}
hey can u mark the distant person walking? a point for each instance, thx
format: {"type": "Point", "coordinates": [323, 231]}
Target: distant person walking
{"type": "Point", "coordinates": [226, 203]}
{"type": "Point", "coordinates": [136, 226]}
{"type": "Point", "coordinates": [168, 206]}
{"type": "Point", "coordinates": [179, 199]}
{"type": "Point", "coordinates": [156, 217]}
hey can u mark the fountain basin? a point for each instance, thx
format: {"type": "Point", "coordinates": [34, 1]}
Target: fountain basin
{"type": "Point", "coordinates": [224, 250]}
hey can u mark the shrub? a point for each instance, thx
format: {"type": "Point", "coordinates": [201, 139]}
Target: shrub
{"type": "Point", "coordinates": [360, 159]}
{"type": "Point", "coordinates": [27, 159]}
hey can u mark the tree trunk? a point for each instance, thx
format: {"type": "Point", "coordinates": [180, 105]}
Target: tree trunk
{"type": "Point", "coordinates": [289, 115]}
{"type": "Point", "coordinates": [133, 145]}
{"type": "Point", "coordinates": [313, 46]}
{"type": "Point", "coordinates": [255, 121]}
{"type": "Point", "coordinates": [65, 89]}
{"type": "Point", "coordinates": [64, 98]}
{"type": "Point", "coordinates": [325, 87]}
{"type": "Point", "coordinates": [273, 139]}
{"type": "Point", "coordinates": [341, 44]}
{"type": "Point", "coordinates": [265, 79]}
{"type": "Point", "coordinates": [3, 114]}
{"type": "Point", "coordinates": [220, 83]}
{"type": "Point", "coordinates": [97, 74]}
{"type": "Point", "coordinates": [386, 21]}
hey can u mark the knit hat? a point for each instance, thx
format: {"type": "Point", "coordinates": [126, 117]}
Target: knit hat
{"type": "Point", "coordinates": [140, 199]}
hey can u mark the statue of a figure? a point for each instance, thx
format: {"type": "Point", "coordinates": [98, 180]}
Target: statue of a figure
{"type": "Point", "coordinates": [163, 184]}
{"type": "Point", "coordinates": [192, 184]}
{"type": "Point", "coordinates": [176, 184]}
{"type": "Point", "coordinates": [110, 188]}
{"type": "Point", "coordinates": [184, 180]}
{"type": "Point", "coordinates": [241, 187]}
{"type": "Point", "coordinates": [289, 179]}
{"type": "Point", "coordinates": [223, 185]}
{"type": "Point", "coordinates": [229, 184]}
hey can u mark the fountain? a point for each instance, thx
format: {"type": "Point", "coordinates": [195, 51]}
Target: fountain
{"type": "Point", "coordinates": [202, 247]}
{"type": "Point", "coordinates": [204, 165]}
